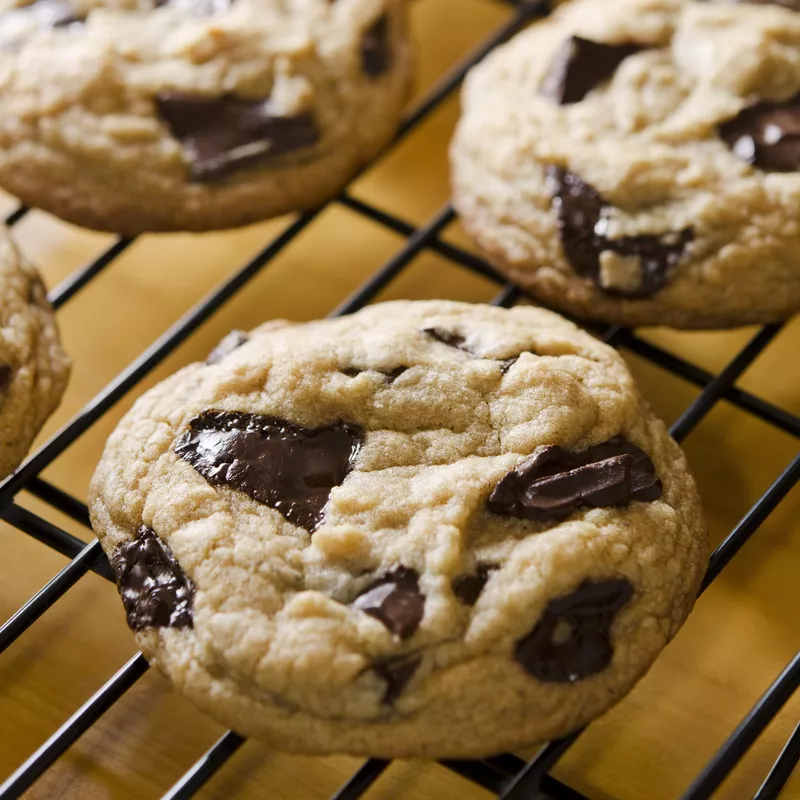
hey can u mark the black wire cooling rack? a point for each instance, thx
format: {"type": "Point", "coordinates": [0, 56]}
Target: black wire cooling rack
{"type": "Point", "coordinates": [508, 776]}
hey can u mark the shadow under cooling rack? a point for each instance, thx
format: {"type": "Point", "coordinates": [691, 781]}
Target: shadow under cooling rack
{"type": "Point", "coordinates": [508, 776]}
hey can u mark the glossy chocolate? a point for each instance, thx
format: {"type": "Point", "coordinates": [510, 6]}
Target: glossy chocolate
{"type": "Point", "coordinates": [767, 135]}
{"type": "Point", "coordinates": [468, 588]}
{"type": "Point", "coordinates": [376, 54]}
{"type": "Point", "coordinates": [397, 672]}
{"type": "Point", "coordinates": [394, 599]}
{"type": "Point", "coordinates": [221, 135]}
{"type": "Point", "coordinates": [391, 375]}
{"type": "Point", "coordinates": [580, 208]}
{"type": "Point", "coordinates": [226, 346]}
{"type": "Point", "coordinates": [285, 466]}
{"type": "Point", "coordinates": [572, 640]}
{"type": "Point", "coordinates": [155, 591]}
{"type": "Point", "coordinates": [580, 65]}
{"type": "Point", "coordinates": [553, 483]}
{"type": "Point", "coordinates": [455, 340]}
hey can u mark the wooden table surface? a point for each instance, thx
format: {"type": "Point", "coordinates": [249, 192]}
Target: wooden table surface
{"type": "Point", "coordinates": [742, 633]}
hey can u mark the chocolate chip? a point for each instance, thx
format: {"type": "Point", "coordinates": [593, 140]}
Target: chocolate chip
{"type": "Point", "coordinates": [506, 365]}
{"type": "Point", "coordinates": [467, 588]}
{"type": "Point", "coordinates": [54, 13]}
{"type": "Point", "coordinates": [580, 65]}
{"type": "Point", "coordinates": [391, 375]}
{"type": "Point", "coordinates": [376, 55]}
{"type": "Point", "coordinates": [221, 135]}
{"type": "Point", "coordinates": [226, 346]}
{"type": "Point", "coordinates": [449, 338]}
{"type": "Point", "coordinates": [286, 467]}
{"type": "Point", "coordinates": [580, 208]}
{"type": "Point", "coordinates": [397, 672]}
{"type": "Point", "coordinates": [572, 640]}
{"type": "Point", "coordinates": [155, 591]}
{"type": "Point", "coordinates": [792, 5]}
{"type": "Point", "coordinates": [6, 374]}
{"type": "Point", "coordinates": [197, 8]}
{"type": "Point", "coordinates": [553, 483]}
{"type": "Point", "coordinates": [394, 599]}
{"type": "Point", "coordinates": [766, 135]}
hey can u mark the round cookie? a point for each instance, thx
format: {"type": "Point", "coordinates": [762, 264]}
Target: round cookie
{"type": "Point", "coordinates": [427, 529]}
{"type": "Point", "coordinates": [157, 115]}
{"type": "Point", "coordinates": [638, 161]}
{"type": "Point", "coordinates": [33, 367]}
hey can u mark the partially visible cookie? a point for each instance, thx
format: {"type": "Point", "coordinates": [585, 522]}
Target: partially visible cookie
{"type": "Point", "coordinates": [194, 114]}
{"type": "Point", "coordinates": [426, 529]}
{"type": "Point", "coordinates": [638, 161]}
{"type": "Point", "coordinates": [33, 366]}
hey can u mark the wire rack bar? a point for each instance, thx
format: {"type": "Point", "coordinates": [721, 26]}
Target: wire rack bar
{"type": "Point", "coordinates": [782, 769]}
{"type": "Point", "coordinates": [362, 779]}
{"type": "Point", "coordinates": [748, 731]}
{"type": "Point", "coordinates": [43, 531]}
{"type": "Point", "coordinates": [60, 500]}
{"type": "Point", "coordinates": [16, 215]}
{"type": "Point", "coordinates": [45, 597]}
{"type": "Point", "coordinates": [66, 290]}
{"type": "Point", "coordinates": [205, 767]}
{"type": "Point", "coordinates": [73, 728]}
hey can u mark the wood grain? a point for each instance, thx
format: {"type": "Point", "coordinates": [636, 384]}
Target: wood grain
{"type": "Point", "coordinates": [744, 630]}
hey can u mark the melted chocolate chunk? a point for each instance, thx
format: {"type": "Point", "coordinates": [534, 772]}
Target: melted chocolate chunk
{"type": "Point", "coordinates": [54, 13]}
{"type": "Point", "coordinates": [197, 8]}
{"type": "Point", "coordinates": [468, 588]}
{"type": "Point", "coordinates": [580, 208]}
{"type": "Point", "coordinates": [394, 599]}
{"type": "Point", "coordinates": [553, 483]}
{"type": "Point", "coordinates": [391, 375]}
{"type": "Point", "coordinates": [227, 345]}
{"type": "Point", "coordinates": [397, 672]}
{"type": "Point", "coordinates": [376, 55]}
{"type": "Point", "coordinates": [792, 5]}
{"type": "Point", "coordinates": [506, 365]}
{"type": "Point", "coordinates": [6, 374]}
{"type": "Point", "coordinates": [767, 135]}
{"type": "Point", "coordinates": [572, 640]}
{"type": "Point", "coordinates": [221, 135]}
{"type": "Point", "coordinates": [580, 65]}
{"type": "Point", "coordinates": [155, 591]}
{"type": "Point", "coordinates": [286, 467]}
{"type": "Point", "coordinates": [455, 340]}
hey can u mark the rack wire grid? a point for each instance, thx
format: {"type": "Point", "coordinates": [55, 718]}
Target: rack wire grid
{"type": "Point", "coordinates": [508, 776]}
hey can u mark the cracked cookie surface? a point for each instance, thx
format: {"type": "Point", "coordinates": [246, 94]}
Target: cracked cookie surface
{"type": "Point", "coordinates": [136, 115]}
{"type": "Point", "coordinates": [33, 366]}
{"type": "Point", "coordinates": [426, 529]}
{"type": "Point", "coordinates": [638, 161]}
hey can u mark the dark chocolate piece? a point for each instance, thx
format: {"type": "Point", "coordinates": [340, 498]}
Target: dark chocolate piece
{"type": "Point", "coordinates": [792, 5]}
{"type": "Point", "coordinates": [394, 599]}
{"type": "Point", "coordinates": [376, 54]}
{"type": "Point", "coordinates": [580, 65]}
{"type": "Point", "coordinates": [766, 135]}
{"type": "Point", "coordinates": [572, 640]}
{"type": "Point", "coordinates": [5, 376]}
{"type": "Point", "coordinates": [221, 135]}
{"type": "Point", "coordinates": [580, 208]}
{"type": "Point", "coordinates": [455, 340]}
{"type": "Point", "coordinates": [391, 375]}
{"type": "Point", "coordinates": [227, 345]}
{"type": "Point", "coordinates": [285, 466]}
{"type": "Point", "coordinates": [397, 672]}
{"type": "Point", "coordinates": [467, 588]}
{"type": "Point", "coordinates": [155, 590]}
{"type": "Point", "coordinates": [197, 8]}
{"type": "Point", "coordinates": [506, 365]}
{"type": "Point", "coordinates": [553, 483]}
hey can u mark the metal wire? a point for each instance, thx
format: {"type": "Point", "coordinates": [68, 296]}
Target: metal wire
{"type": "Point", "coordinates": [506, 775]}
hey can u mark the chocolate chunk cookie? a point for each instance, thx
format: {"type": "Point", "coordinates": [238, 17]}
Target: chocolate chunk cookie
{"type": "Point", "coordinates": [427, 529]}
{"type": "Point", "coordinates": [194, 114]}
{"type": "Point", "coordinates": [33, 366]}
{"type": "Point", "coordinates": [638, 161]}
